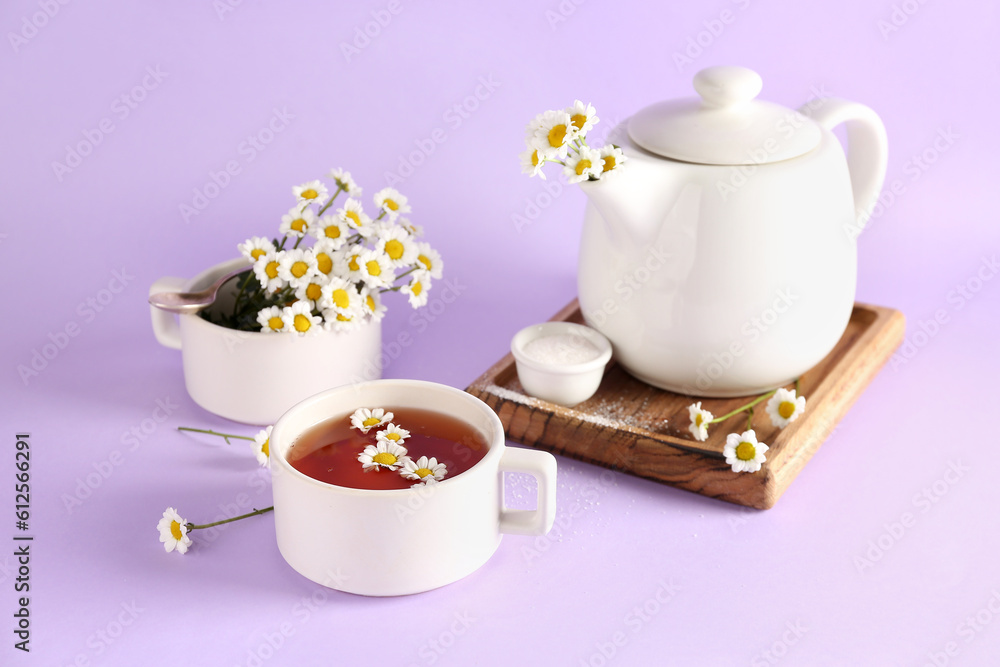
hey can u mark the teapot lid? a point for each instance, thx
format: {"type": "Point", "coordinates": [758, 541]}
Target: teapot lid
{"type": "Point", "coordinates": [726, 125]}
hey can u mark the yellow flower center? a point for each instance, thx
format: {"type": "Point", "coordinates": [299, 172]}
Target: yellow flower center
{"type": "Point", "coordinates": [582, 166]}
{"type": "Point", "coordinates": [417, 288]}
{"type": "Point", "coordinates": [698, 419]}
{"type": "Point", "coordinates": [298, 225]}
{"type": "Point", "coordinates": [332, 232]}
{"type": "Point", "coordinates": [609, 163]}
{"type": "Point", "coordinates": [314, 292]}
{"type": "Point", "coordinates": [371, 421]}
{"type": "Point", "coordinates": [391, 204]}
{"type": "Point", "coordinates": [745, 451]}
{"type": "Point", "coordinates": [342, 300]}
{"type": "Point", "coordinates": [786, 409]}
{"type": "Point", "coordinates": [370, 301]}
{"type": "Point", "coordinates": [534, 158]}
{"type": "Point", "coordinates": [353, 264]}
{"type": "Point", "coordinates": [423, 472]}
{"type": "Point", "coordinates": [309, 193]}
{"type": "Point", "coordinates": [257, 252]}
{"type": "Point", "coordinates": [579, 120]}
{"type": "Point", "coordinates": [344, 318]}
{"type": "Point", "coordinates": [302, 323]}
{"type": "Point", "coordinates": [557, 136]}
{"type": "Point", "coordinates": [324, 263]}
{"type": "Point", "coordinates": [299, 269]}
{"type": "Point", "coordinates": [394, 249]}
{"type": "Point", "coordinates": [373, 268]}
{"type": "Point", "coordinates": [275, 322]}
{"type": "Point", "coordinates": [271, 270]}
{"type": "Point", "coordinates": [175, 530]}
{"type": "Point", "coordinates": [385, 458]}
{"type": "Point", "coordinates": [392, 436]}
{"type": "Point", "coordinates": [353, 218]}
{"type": "Point", "coordinates": [425, 260]}
{"type": "Point", "coordinates": [266, 448]}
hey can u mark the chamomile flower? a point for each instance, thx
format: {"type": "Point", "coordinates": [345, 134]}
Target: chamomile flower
{"type": "Point", "coordinates": [267, 269]}
{"type": "Point", "coordinates": [583, 116]}
{"type": "Point", "coordinates": [385, 454]}
{"type": "Point", "coordinates": [325, 252]}
{"type": "Point", "coordinates": [392, 202]}
{"type": "Point", "coordinates": [784, 407]}
{"type": "Point", "coordinates": [582, 165]}
{"type": "Point", "coordinates": [271, 320]}
{"type": "Point", "coordinates": [743, 452]}
{"type": "Point", "coordinates": [255, 247]}
{"type": "Point", "coordinates": [297, 267]}
{"type": "Point", "coordinates": [311, 192]}
{"type": "Point", "coordinates": [429, 260]}
{"type": "Point", "coordinates": [392, 433]}
{"type": "Point", "coordinates": [345, 182]}
{"type": "Point", "coordinates": [312, 291]}
{"type": "Point", "coordinates": [365, 419]}
{"type": "Point", "coordinates": [173, 532]}
{"type": "Point", "coordinates": [298, 317]}
{"type": "Point", "coordinates": [340, 296]}
{"type": "Point", "coordinates": [398, 245]}
{"type": "Point", "coordinates": [699, 421]}
{"type": "Point", "coordinates": [348, 264]}
{"type": "Point", "coordinates": [371, 302]}
{"type": "Point", "coordinates": [354, 217]}
{"type": "Point", "coordinates": [552, 133]}
{"type": "Point", "coordinates": [262, 447]}
{"type": "Point", "coordinates": [297, 222]}
{"type": "Point", "coordinates": [417, 289]}
{"type": "Point", "coordinates": [341, 322]}
{"type": "Point", "coordinates": [332, 229]}
{"type": "Point", "coordinates": [412, 229]}
{"type": "Point", "coordinates": [613, 158]}
{"type": "Point", "coordinates": [532, 162]}
{"type": "Point", "coordinates": [426, 470]}
{"type": "Point", "coordinates": [376, 268]}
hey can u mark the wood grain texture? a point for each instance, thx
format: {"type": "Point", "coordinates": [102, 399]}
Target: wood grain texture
{"type": "Point", "coordinates": [638, 429]}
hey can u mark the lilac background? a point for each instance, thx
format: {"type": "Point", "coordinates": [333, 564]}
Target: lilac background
{"type": "Point", "coordinates": [745, 577]}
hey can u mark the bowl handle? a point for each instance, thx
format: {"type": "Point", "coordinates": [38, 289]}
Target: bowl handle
{"type": "Point", "coordinates": [867, 148]}
{"type": "Point", "coordinates": [165, 325]}
{"type": "Point", "coordinates": [541, 466]}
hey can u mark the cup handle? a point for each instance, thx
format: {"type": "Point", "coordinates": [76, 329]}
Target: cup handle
{"type": "Point", "coordinates": [541, 466]}
{"type": "Point", "coordinates": [165, 326]}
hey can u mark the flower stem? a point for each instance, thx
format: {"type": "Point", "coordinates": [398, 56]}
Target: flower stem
{"type": "Point", "coordinates": [748, 406]}
{"type": "Point", "coordinates": [224, 436]}
{"type": "Point", "coordinates": [340, 189]}
{"type": "Point", "coordinates": [749, 419]}
{"type": "Point", "coordinates": [194, 526]}
{"type": "Point", "coordinates": [239, 295]}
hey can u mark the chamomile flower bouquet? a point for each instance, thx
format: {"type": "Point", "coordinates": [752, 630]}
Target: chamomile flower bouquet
{"type": "Point", "coordinates": [330, 267]}
{"type": "Point", "coordinates": [561, 137]}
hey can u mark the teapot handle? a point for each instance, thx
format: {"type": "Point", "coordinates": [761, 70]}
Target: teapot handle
{"type": "Point", "coordinates": [867, 148]}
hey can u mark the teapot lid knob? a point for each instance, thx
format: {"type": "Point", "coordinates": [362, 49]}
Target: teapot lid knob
{"type": "Point", "coordinates": [727, 86]}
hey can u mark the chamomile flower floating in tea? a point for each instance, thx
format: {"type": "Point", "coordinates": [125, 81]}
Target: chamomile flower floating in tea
{"type": "Point", "coordinates": [365, 419]}
{"type": "Point", "coordinates": [561, 137]}
{"type": "Point", "coordinates": [424, 470]}
{"type": "Point", "coordinates": [392, 433]}
{"type": "Point", "coordinates": [362, 256]}
{"type": "Point", "coordinates": [254, 247]}
{"type": "Point", "coordinates": [173, 531]}
{"type": "Point", "coordinates": [311, 192]}
{"type": "Point", "coordinates": [345, 182]}
{"type": "Point", "coordinates": [262, 446]}
{"type": "Point", "coordinates": [384, 454]}
{"type": "Point", "coordinates": [743, 452]}
{"type": "Point", "coordinates": [699, 421]}
{"type": "Point", "coordinates": [784, 407]}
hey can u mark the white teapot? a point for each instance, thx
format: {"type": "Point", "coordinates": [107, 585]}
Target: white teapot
{"type": "Point", "coordinates": [722, 260]}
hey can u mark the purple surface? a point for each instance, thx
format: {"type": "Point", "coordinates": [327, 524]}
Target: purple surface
{"type": "Point", "coordinates": [753, 588]}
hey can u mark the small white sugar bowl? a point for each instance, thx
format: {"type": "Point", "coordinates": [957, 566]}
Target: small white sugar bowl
{"type": "Point", "coordinates": [560, 362]}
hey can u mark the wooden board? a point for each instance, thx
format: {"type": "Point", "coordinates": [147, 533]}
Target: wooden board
{"type": "Point", "coordinates": [638, 429]}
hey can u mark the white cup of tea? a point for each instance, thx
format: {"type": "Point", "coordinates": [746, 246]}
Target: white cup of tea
{"type": "Point", "coordinates": [401, 541]}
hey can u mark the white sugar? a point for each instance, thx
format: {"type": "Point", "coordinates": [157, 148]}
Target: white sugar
{"type": "Point", "coordinates": [561, 349]}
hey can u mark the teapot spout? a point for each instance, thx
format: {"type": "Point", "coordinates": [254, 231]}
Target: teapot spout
{"type": "Point", "coordinates": [635, 202]}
